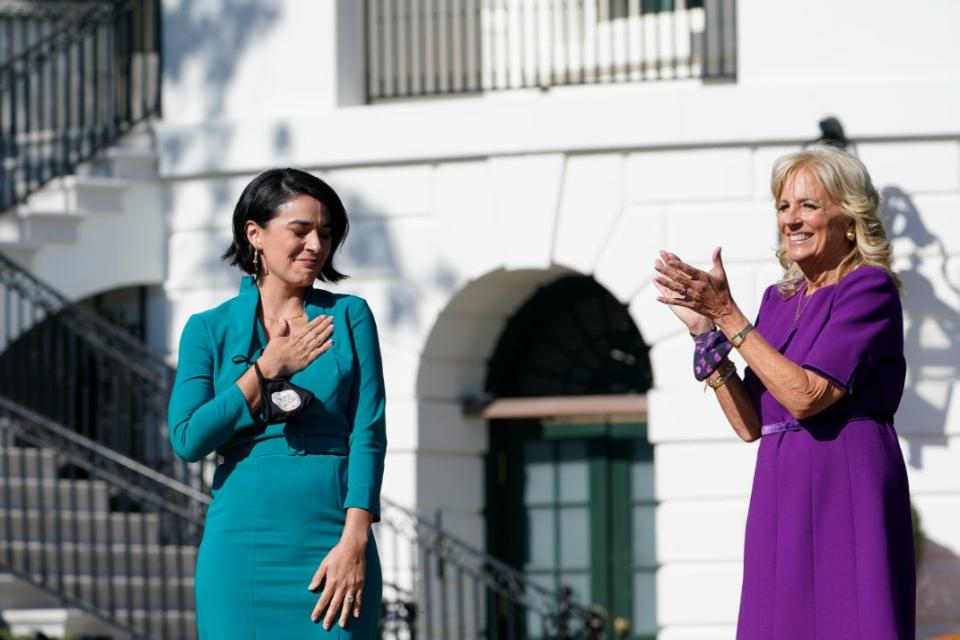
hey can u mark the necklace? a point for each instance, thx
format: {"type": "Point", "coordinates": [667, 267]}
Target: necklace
{"type": "Point", "coordinates": [266, 317]}
{"type": "Point", "coordinates": [299, 315]}
{"type": "Point", "coordinates": [801, 305]}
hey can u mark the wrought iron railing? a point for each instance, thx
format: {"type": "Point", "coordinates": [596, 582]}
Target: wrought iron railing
{"type": "Point", "coordinates": [23, 23]}
{"type": "Point", "coordinates": [72, 366]}
{"type": "Point", "coordinates": [433, 47]}
{"type": "Point", "coordinates": [71, 85]}
{"type": "Point", "coordinates": [99, 531]}
{"type": "Point", "coordinates": [442, 587]}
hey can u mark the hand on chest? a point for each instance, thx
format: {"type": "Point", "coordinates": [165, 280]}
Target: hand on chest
{"type": "Point", "coordinates": [328, 377]}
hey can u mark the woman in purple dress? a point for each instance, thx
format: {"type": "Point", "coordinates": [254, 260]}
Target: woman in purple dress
{"type": "Point", "coordinates": [828, 547]}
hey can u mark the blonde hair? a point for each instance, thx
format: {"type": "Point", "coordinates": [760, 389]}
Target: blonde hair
{"type": "Point", "coordinates": [847, 183]}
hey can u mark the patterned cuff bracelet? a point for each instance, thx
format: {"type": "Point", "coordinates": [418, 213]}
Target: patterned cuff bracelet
{"type": "Point", "coordinates": [725, 373]}
{"type": "Point", "coordinates": [711, 347]}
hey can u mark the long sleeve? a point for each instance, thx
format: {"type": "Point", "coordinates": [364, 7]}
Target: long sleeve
{"type": "Point", "coordinates": [368, 437]}
{"type": "Point", "coordinates": [199, 420]}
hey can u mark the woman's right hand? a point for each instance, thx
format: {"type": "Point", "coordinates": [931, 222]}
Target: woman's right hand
{"type": "Point", "coordinates": [289, 351]}
{"type": "Point", "coordinates": [696, 323]}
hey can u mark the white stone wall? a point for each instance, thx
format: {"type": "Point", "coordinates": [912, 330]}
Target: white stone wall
{"type": "Point", "coordinates": [462, 207]}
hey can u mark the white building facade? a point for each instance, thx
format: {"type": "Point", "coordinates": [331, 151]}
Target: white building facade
{"type": "Point", "coordinates": [465, 203]}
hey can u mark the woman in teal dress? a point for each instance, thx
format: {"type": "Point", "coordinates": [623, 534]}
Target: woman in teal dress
{"type": "Point", "coordinates": [285, 382]}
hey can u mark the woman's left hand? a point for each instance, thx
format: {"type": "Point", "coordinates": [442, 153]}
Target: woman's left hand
{"type": "Point", "coordinates": [705, 292]}
{"type": "Point", "coordinates": [341, 573]}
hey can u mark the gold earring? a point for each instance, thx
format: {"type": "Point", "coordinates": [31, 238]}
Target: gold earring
{"type": "Point", "coordinates": [851, 236]}
{"type": "Point", "coordinates": [256, 261]}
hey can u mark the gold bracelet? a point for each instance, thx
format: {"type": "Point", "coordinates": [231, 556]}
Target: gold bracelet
{"type": "Point", "coordinates": [723, 374]}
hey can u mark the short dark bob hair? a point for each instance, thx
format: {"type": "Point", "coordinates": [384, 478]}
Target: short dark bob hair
{"type": "Point", "coordinates": [262, 198]}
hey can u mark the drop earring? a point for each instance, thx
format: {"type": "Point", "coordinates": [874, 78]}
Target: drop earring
{"type": "Point", "coordinates": [256, 262]}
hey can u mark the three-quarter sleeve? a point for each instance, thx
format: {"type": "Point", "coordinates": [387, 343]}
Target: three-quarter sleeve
{"type": "Point", "coordinates": [200, 420]}
{"type": "Point", "coordinates": [750, 379]}
{"type": "Point", "coordinates": [865, 313]}
{"type": "Point", "coordinates": [366, 412]}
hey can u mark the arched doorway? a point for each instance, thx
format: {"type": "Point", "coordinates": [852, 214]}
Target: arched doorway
{"type": "Point", "coordinates": [570, 497]}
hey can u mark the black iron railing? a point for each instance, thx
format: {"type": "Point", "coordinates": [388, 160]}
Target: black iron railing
{"type": "Point", "coordinates": [431, 47]}
{"type": "Point", "coordinates": [438, 586]}
{"type": "Point", "coordinates": [71, 84]}
{"type": "Point", "coordinates": [97, 530]}
{"type": "Point", "coordinates": [70, 365]}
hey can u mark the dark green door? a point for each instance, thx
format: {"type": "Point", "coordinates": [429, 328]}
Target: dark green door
{"type": "Point", "coordinates": [573, 505]}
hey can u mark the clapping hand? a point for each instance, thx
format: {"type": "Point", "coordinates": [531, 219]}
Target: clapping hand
{"type": "Point", "coordinates": [697, 297]}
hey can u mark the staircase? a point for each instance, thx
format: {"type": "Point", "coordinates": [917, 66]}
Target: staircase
{"type": "Point", "coordinates": [79, 87]}
{"type": "Point", "coordinates": [98, 541]}
{"type": "Point", "coordinates": [74, 79]}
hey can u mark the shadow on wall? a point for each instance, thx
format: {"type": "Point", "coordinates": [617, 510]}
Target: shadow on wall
{"type": "Point", "coordinates": [217, 37]}
{"type": "Point", "coordinates": [932, 338]}
{"type": "Point", "coordinates": [197, 36]}
{"type": "Point", "coordinates": [371, 253]}
{"type": "Point", "coordinates": [932, 347]}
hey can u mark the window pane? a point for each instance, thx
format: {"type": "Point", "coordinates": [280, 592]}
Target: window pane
{"type": "Point", "coordinates": [538, 459]}
{"type": "Point", "coordinates": [573, 470]}
{"type": "Point", "coordinates": [644, 536]}
{"type": "Point", "coordinates": [654, 6]}
{"type": "Point", "coordinates": [574, 531]}
{"type": "Point", "coordinates": [542, 539]}
{"type": "Point", "coordinates": [580, 583]}
{"type": "Point", "coordinates": [641, 480]}
{"type": "Point", "coordinates": [644, 603]}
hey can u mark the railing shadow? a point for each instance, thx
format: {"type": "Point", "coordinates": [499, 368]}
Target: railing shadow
{"type": "Point", "coordinates": [931, 399]}
{"type": "Point", "coordinates": [932, 336]}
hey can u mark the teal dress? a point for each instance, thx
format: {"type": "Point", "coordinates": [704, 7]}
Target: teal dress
{"type": "Point", "coordinates": [281, 492]}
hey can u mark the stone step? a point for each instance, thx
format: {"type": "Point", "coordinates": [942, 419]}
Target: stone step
{"type": "Point", "coordinates": [20, 251]}
{"type": "Point", "coordinates": [85, 558]}
{"type": "Point", "coordinates": [10, 228]}
{"type": "Point", "coordinates": [50, 621]}
{"type": "Point", "coordinates": [17, 462]}
{"type": "Point", "coordinates": [57, 621]}
{"type": "Point", "coordinates": [155, 624]}
{"type": "Point", "coordinates": [78, 195]}
{"type": "Point", "coordinates": [132, 163]}
{"type": "Point", "coordinates": [40, 227]}
{"type": "Point", "coordinates": [77, 526]}
{"type": "Point", "coordinates": [88, 495]}
{"type": "Point", "coordinates": [103, 592]}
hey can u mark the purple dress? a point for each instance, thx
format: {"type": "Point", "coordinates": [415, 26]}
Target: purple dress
{"type": "Point", "coordinates": [829, 537]}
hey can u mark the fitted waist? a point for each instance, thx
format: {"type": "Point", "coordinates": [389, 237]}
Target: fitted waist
{"type": "Point", "coordinates": [812, 423]}
{"type": "Point", "coordinates": [293, 444]}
